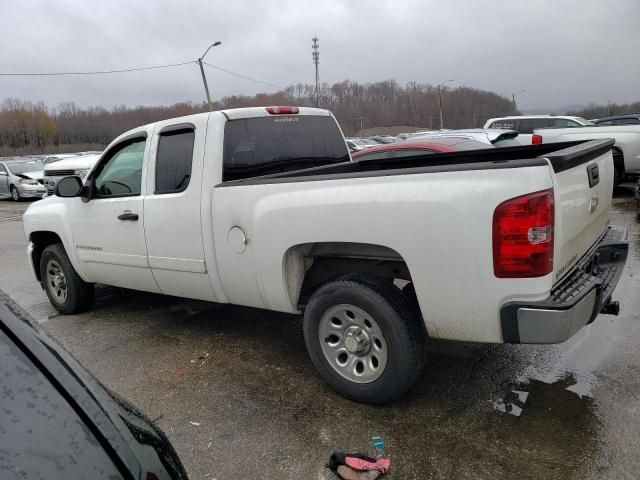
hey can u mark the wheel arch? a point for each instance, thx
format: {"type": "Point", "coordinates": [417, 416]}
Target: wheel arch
{"type": "Point", "coordinates": [41, 240]}
{"type": "Point", "coordinates": [307, 266]}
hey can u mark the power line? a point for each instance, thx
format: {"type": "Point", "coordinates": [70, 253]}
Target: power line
{"type": "Point", "coordinates": [99, 72]}
{"type": "Point", "coordinates": [137, 69]}
{"type": "Point", "coordinates": [243, 76]}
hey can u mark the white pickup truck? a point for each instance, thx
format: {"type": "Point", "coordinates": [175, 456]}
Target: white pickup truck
{"type": "Point", "coordinates": [626, 149]}
{"type": "Point", "coordinates": [494, 245]}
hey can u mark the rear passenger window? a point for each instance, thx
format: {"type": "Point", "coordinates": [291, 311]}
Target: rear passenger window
{"type": "Point", "coordinates": [566, 123]}
{"type": "Point", "coordinates": [528, 125]}
{"type": "Point", "coordinates": [173, 161]}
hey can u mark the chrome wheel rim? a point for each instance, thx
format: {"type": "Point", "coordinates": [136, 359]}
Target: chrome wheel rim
{"type": "Point", "coordinates": [353, 343]}
{"type": "Point", "coordinates": [56, 281]}
{"type": "Point", "coordinates": [14, 194]}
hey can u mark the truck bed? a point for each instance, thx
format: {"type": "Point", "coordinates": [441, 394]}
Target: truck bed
{"type": "Point", "coordinates": [562, 155]}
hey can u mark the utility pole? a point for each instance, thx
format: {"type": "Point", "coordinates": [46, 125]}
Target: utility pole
{"type": "Point", "coordinates": [315, 53]}
{"type": "Point", "coordinates": [204, 78]}
{"type": "Point", "coordinates": [440, 100]}
{"type": "Point", "coordinates": [609, 108]}
{"type": "Point", "coordinates": [513, 100]}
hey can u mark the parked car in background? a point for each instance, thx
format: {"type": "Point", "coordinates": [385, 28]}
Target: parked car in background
{"type": "Point", "coordinates": [21, 179]}
{"type": "Point", "coordinates": [353, 146]}
{"type": "Point", "coordinates": [361, 142]}
{"type": "Point", "coordinates": [418, 147]}
{"type": "Point", "coordinates": [59, 423]}
{"type": "Point", "coordinates": [356, 144]}
{"type": "Point", "coordinates": [74, 165]}
{"type": "Point", "coordinates": [526, 124]}
{"type": "Point", "coordinates": [626, 149]}
{"type": "Point", "coordinates": [369, 142]}
{"type": "Point", "coordinates": [59, 156]}
{"type": "Point", "coordinates": [383, 139]}
{"type": "Point", "coordinates": [630, 119]}
{"type": "Point", "coordinates": [491, 136]}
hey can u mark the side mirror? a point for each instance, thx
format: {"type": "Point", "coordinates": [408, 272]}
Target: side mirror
{"type": "Point", "coordinates": [2, 172]}
{"type": "Point", "coordinates": [68, 187]}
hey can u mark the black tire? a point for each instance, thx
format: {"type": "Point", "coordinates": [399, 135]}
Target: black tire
{"type": "Point", "coordinates": [403, 332]}
{"type": "Point", "coordinates": [15, 194]}
{"type": "Point", "coordinates": [616, 177]}
{"type": "Point", "coordinates": [618, 167]}
{"type": "Point", "coordinates": [79, 294]}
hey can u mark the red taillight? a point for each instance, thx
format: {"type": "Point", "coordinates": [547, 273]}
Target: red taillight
{"type": "Point", "coordinates": [282, 110]}
{"type": "Point", "coordinates": [536, 139]}
{"type": "Point", "coordinates": [523, 236]}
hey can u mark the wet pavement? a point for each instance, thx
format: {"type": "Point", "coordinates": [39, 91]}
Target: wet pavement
{"type": "Point", "coordinates": [237, 396]}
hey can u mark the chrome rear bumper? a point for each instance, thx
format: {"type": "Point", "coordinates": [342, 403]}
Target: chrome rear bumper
{"type": "Point", "coordinates": [576, 300]}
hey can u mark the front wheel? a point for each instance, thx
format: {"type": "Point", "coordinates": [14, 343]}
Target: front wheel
{"type": "Point", "coordinates": [15, 194]}
{"type": "Point", "coordinates": [67, 292]}
{"type": "Point", "coordinates": [364, 338]}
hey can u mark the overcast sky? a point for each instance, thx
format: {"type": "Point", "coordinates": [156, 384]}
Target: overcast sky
{"type": "Point", "coordinates": [561, 52]}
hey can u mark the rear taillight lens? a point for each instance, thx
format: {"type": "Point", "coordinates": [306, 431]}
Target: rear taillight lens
{"type": "Point", "coordinates": [282, 110]}
{"type": "Point", "coordinates": [536, 139]}
{"type": "Point", "coordinates": [523, 236]}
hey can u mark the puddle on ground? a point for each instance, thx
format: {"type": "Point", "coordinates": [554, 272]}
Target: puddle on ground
{"type": "Point", "coordinates": [513, 403]}
{"type": "Point", "coordinates": [562, 399]}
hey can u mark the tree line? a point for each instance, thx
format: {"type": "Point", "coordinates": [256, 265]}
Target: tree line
{"type": "Point", "coordinates": [28, 127]}
{"type": "Point", "coordinates": [600, 111]}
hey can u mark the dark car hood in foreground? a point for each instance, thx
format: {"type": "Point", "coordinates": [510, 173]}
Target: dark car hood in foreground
{"type": "Point", "coordinates": [58, 422]}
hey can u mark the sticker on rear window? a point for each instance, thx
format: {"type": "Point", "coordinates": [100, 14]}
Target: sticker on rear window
{"type": "Point", "coordinates": [286, 119]}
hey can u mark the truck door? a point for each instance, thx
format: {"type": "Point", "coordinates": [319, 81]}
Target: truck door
{"type": "Point", "coordinates": [107, 230]}
{"type": "Point", "coordinates": [172, 224]}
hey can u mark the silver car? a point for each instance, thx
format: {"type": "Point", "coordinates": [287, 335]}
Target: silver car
{"type": "Point", "coordinates": [21, 178]}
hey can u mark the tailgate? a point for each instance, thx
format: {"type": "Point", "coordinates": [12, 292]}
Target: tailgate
{"type": "Point", "coordinates": [583, 186]}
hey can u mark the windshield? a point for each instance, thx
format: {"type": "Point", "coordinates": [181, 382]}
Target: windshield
{"type": "Point", "coordinates": [264, 145]}
{"type": "Point", "coordinates": [23, 167]}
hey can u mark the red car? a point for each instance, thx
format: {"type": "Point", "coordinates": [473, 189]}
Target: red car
{"type": "Point", "coordinates": [412, 147]}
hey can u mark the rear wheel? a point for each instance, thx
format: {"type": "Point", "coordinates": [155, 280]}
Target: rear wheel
{"type": "Point", "coordinates": [15, 194]}
{"type": "Point", "coordinates": [67, 292]}
{"type": "Point", "coordinates": [364, 338]}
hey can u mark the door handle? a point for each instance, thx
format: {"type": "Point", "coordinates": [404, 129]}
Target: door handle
{"type": "Point", "coordinates": [128, 215]}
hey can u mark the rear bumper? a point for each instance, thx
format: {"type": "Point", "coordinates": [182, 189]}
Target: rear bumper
{"type": "Point", "coordinates": [575, 301]}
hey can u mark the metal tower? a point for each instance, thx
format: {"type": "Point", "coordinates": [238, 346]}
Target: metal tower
{"type": "Point", "coordinates": [316, 60]}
